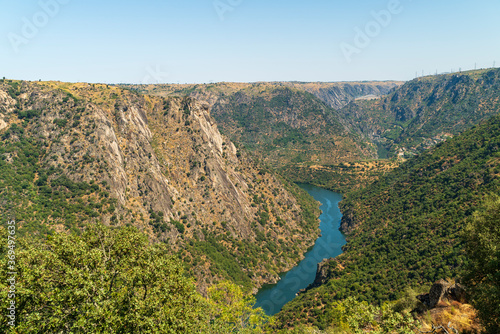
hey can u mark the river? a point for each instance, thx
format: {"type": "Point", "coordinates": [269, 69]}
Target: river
{"type": "Point", "coordinates": [272, 297]}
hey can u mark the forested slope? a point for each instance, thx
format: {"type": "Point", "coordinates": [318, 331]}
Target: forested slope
{"type": "Point", "coordinates": [404, 230]}
{"type": "Point", "coordinates": [427, 110]}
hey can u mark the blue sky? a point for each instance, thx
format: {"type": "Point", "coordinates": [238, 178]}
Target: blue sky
{"type": "Point", "coordinates": [191, 41]}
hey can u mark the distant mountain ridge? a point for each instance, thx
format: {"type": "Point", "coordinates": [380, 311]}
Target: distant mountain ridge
{"type": "Point", "coordinates": [334, 94]}
{"type": "Point", "coordinates": [339, 94]}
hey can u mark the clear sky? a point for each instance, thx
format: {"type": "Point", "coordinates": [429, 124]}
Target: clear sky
{"type": "Point", "coordinates": [198, 41]}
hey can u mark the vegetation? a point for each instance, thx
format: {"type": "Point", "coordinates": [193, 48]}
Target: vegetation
{"type": "Point", "coordinates": [350, 316]}
{"type": "Point", "coordinates": [228, 257]}
{"type": "Point", "coordinates": [360, 317]}
{"type": "Point", "coordinates": [111, 280]}
{"type": "Point", "coordinates": [405, 228]}
{"type": "Point", "coordinates": [482, 236]}
{"type": "Point", "coordinates": [282, 126]}
{"type": "Point", "coordinates": [426, 111]}
{"type": "Point", "coordinates": [104, 281]}
{"type": "Point", "coordinates": [233, 311]}
{"type": "Point", "coordinates": [37, 193]}
{"type": "Point", "coordinates": [344, 177]}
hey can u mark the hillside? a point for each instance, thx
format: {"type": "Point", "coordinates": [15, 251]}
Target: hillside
{"type": "Point", "coordinates": [339, 94]}
{"type": "Point", "coordinates": [76, 154]}
{"type": "Point", "coordinates": [280, 123]}
{"type": "Point", "coordinates": [334, 94]}
{"type": "Point", "coordinates": [409, 120]}
{"type": "Point", "coordinates": [404, 229]}
{"type": "Point", "coordinates": [426, 111]}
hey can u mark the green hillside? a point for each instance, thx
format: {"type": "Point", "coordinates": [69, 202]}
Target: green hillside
{"type": "Point", "coordinates": [404, 230]}
{"type": "Point", "coordinates": [285, 125]}
{"type": "Point", "coordinates": [426, 111]}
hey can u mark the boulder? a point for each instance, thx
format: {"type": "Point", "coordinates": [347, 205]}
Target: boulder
{"type": "Point", "coordinates": [443, 290]}
{"type": "Point", "coordinates": [456, 292]}
{"type": "Point", "coordinates": [437, 292]}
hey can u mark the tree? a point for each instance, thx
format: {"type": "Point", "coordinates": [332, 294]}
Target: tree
{"type": "Point", "coordinates": [352, 316]}
{"type": "Point", "coordinates": [233, 311]}
{"type": "Point", "coordinates": [482, 277]}
{"type": "Point", "coordinates": [104, 281]}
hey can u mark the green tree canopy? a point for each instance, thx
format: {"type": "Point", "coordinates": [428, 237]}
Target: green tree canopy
{"type": "Point", "coordinates": [233, 311]}
{"type": "Point", "coordinates": [483, 270]}
{"type": "Point", "coordinates": [104, 281]}
{"type": "Point", "coordinates": [111, 280]}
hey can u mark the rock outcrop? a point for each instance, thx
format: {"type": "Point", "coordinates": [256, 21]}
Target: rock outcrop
{"type": "Point", "coordinates": [323, 272]}
{"type": "Point", "coordinates": [339, 94]}
{"type": "Point", "coordinates": [348, 221]}
{"type": "Point", "coordinates": [326, 270]}
{"type": "Point", "coordinates": [443, 291]}
{"type": "Point", "coordinates": [445, 308]}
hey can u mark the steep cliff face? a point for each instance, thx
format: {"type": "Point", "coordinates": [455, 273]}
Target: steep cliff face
{"type": "Point", "coordinates": [281, 123]}
{"type": "Point", "coordinates": [118, 157]}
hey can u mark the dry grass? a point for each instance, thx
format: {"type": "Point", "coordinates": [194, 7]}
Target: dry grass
{"type": "Point", "coordinates": [462, 317]}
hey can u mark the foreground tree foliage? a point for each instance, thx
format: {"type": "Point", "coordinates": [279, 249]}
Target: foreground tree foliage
{"type": "Point", "coordinates": [113, 281]}
{"type": "Point", "coordinates": [353, 316]}
{"type": "Point", "coordinates": [107, 280]}
{"type": "Point", "coordinates": [483, 270]}
{"type": "Point", "coordinates": [233, 311]}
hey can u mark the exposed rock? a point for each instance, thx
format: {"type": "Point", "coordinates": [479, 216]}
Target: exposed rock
{"type": "Point", "coordinates": [339, 94]}
{"type": "Point", "coordinates": [172, 173]}
{"type": "Point", "coordinates": [443, 291]}
{"type": "Point", "coordinates": [3, 124]}
{"type": "Point", "coordinates": [437, 292]}
{"type": "Point", "coordinates": [324, 272]}
{"type": "Point", "coordinates": [445, 306]}
{"type": "Point", "coordinates": [348, 221]}
{"type": "Point", "coordinates": [456, 292]}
